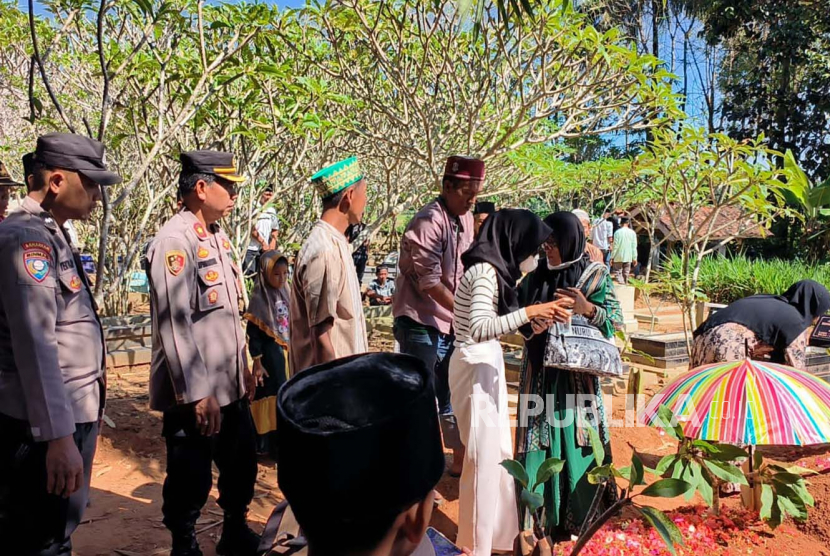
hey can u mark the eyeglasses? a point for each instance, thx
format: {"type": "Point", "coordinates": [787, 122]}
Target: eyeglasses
{"type": "Point", "coordinates": [550, 244]}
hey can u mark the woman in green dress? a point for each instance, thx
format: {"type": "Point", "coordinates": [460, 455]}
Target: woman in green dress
{"type": "Point", "coordinates": [267, 330]}
{"type": "Point", "coordinates": [564, 433]}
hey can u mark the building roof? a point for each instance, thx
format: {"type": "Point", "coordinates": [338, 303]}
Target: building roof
{"type": "Point", "coordinates": [730, 222]}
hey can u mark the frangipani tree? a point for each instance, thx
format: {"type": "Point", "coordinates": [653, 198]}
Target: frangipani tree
{"type": "Point", "coordinates": [691, 176]}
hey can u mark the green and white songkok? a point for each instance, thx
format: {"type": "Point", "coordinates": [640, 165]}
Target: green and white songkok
{"type": "Point", "coordinates": [339, 176]}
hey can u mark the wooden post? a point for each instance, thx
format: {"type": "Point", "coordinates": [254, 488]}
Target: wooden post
{"type": "Point", "coordinates": [750, 495]}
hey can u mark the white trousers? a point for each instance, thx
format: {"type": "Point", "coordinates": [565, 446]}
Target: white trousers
{"type": "Point", "coordinates": [487, 515]}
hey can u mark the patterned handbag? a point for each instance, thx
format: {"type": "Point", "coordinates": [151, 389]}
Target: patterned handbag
{"type": "Point", "coordinates": [579, 346]}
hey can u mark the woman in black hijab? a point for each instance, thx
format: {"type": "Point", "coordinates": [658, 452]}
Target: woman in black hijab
{"type": "Point", "coordinates": [772, 327]}
{"type": "Point", "coordinates": [568, 495]}
{"type": "Point", "coordinates": [486, 307]}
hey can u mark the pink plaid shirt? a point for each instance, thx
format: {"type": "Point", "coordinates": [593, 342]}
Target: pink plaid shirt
{"type": "Point", "coordinates": [431, 249]}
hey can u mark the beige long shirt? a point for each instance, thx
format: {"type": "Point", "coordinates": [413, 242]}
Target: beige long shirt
{"type": "Point", "coordinates": [198, 343]}
{"type": "Point", "coordinates": [325, 287]}
{"type": "Point", "coordinates": [52, 357]}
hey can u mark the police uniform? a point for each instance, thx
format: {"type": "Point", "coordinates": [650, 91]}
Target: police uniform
{"type": "Point", "coordinates": [199, 351]}
{"type": "Point", "coordinates": [52, 360]}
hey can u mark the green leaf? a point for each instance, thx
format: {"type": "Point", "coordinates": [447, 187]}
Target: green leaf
{"type": "Point", "coordinates": [767, 498]}
{"type": "Point", "coordinates": [792, 507]}
{"type": "Point", "coordinates": [801, 470]}
{"type": "Point", "coordinates": [787, 478]}
{"type": "Point", "coordinates": [801, 490]}
{"type": "Point", "coordinates": [597, 474]}
{"type": "Point", "coordinates": [693, 477]}
{"type": "Point", "coordinates": [820, 195]}
{"type": "Point", "coordinates": [757, 460]}
{"type": "Point", "coordinates": [596, 446]}
{"type": "Point", "coordinates": [516, 470]}
{"type": "Point", "coordinates": [665, 463]}
{"type": "Point", "coordinates": [666, 488]}
{"type": "Point", "coordinates": [532, 500]}
{"type": "Point", "coordinates": [145, 6]}
{"type": "Point", "coordinates": [637, 471]}
{"type": "Point", "coordinates": [548, 469]}
{"type": "Point", "coordinates": [663, 525]}
{"type": "Point", "coordinates": [704, 485]}
{"type": "Point", "coordinates": [726, 472]}
{"type": "Point", "coordinates": [729, 452]}
{"type": "Point", "coordinates": [667, 421]}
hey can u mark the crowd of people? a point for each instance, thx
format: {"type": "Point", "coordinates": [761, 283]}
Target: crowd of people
{"type": "Point", "coordinates": [359, 438]}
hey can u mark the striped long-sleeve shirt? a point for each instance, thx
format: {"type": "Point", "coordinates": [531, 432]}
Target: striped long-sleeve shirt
{"type": "Point", "coordinates": [476, 301]}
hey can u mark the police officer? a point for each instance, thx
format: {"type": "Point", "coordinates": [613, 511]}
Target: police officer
{"type": "Point", "coordinates": [200, 376]}
{"type": "Point", "coordinates": [52, 358]}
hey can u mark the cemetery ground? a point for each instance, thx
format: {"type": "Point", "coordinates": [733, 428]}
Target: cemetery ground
{"type": "Point", "coordinates": [124, 517]}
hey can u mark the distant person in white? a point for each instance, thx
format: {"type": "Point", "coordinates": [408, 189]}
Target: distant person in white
{"type": "Point", "coordinates": [263, 234]}
{"type": "Point", "coordinates": [602, 235]}
{"type": "Point", "coordinates": [486, 306]}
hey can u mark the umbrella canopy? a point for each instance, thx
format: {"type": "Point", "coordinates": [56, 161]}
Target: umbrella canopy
{"type": "Point", "coordinates": [748, 402]}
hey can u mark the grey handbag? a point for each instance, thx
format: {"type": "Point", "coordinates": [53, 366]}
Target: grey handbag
{"type": "Point", "coordinates": [580, 347]}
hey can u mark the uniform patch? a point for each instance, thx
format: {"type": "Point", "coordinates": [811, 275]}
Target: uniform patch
{"type": "Point", "coordinates": [67, 265]}
{"type": "Point", "coordinates": [175, 260]}
{"type": "Point", "coordinates": [203, 253]}
{"type": "Point", "coordinates": [200, 230]}
{"type": "Point", "coordinates": [213, 296]}
{"type": "Point", "coordinates": [75, 284]}
{"type": "Point", "coordinates": [211, 276]}
{"type": "Point", "coordinates": [36, 259]}
{"type": "Point", "coordinates": [226, 244]}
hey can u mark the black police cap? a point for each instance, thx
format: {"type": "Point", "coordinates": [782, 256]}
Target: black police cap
{"type": "Point", "coordinates": [75, 152]}
{"type": "Point", "coordinates": [5, 179]}
{"type": "Point", "coordinates": [218, 163]}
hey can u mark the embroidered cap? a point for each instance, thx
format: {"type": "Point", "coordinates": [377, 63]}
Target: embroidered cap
{"type": "Point", "coordinates": [464, 168]}
{"type": "Point", "coordinates": [337, 177]}
{"type": "Point", "coordinates": [75, 152]}
{"type": "Point", "coordinates": [5, 179]}
{"type": "Point", "coordinates": [218, 163]}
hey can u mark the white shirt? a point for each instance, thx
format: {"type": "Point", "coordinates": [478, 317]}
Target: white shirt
{"type": "Point", "coordinates": [600, 232]}
{"type": "Point", "coordinates": [265, 224]}
{"type": "Point", "coordinates": [475, 309]}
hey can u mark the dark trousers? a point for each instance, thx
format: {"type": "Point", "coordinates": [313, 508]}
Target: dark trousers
{"type": "Point", "coordinates": [434, 349]}
{"type": "Point", "coordinates": [189, 458]}
{"type": "Point", "coordinates": [250, 266]}
{"type": "Point", "coordinates": [32, 521]}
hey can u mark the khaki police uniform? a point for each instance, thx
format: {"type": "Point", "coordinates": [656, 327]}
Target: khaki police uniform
{"type": "Point", "coordinates": [199, 351]}
{"type": "Point", "coordinates": [52, 362]}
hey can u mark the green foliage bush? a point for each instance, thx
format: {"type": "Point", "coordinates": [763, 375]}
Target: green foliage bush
{"type": "Point", "coordinates": [725, 279]}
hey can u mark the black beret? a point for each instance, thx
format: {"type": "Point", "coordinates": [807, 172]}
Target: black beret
{"type": "Point", "coordinates": [75, 152]}
{"type": "Point", "coordinates": [352, 424]}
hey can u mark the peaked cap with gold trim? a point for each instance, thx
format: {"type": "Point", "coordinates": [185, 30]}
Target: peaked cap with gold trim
{"type": "Point", "coordinates": [218, 163]}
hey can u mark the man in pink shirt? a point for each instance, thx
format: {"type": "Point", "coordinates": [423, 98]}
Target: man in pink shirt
{"type": "Point", "coordinates": [430, 269]}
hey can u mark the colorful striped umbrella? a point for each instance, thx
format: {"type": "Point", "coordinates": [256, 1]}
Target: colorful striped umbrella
{"type": "Point", "coordinates": [749, 403]}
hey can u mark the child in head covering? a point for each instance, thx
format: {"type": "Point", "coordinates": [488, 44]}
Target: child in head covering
{"type": "Point", "coordinates": [268, 335]}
